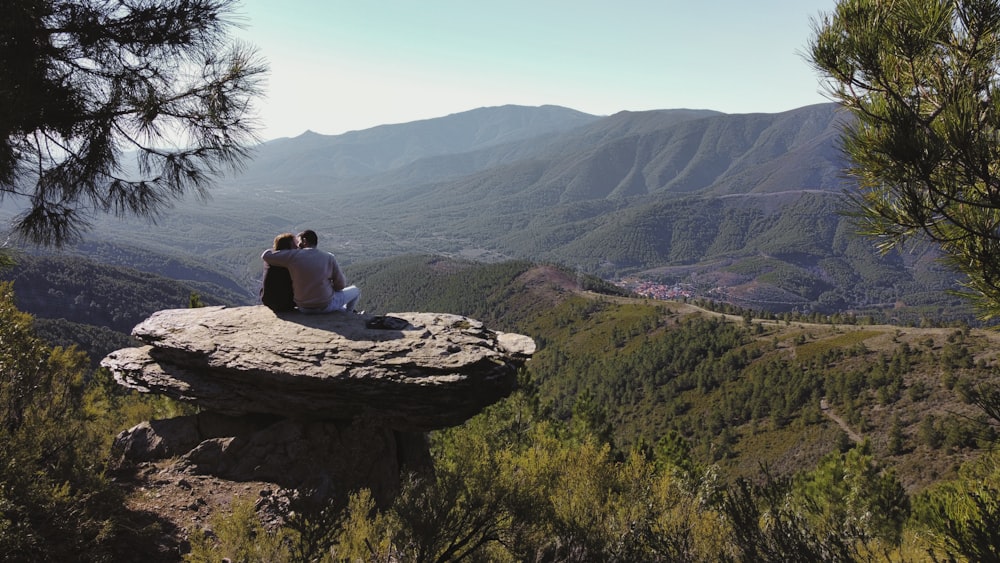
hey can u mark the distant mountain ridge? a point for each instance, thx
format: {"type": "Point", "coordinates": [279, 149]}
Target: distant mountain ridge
{"type": "Point", "coordinates": [626, 154]}
{"type": "Point", "coordinates": [744, 207]}
{"type": "Point", "coordinates": [379, 149]}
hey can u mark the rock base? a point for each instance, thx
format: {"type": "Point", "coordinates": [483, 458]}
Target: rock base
{"type": "Point", "coordinates": [320, 459]}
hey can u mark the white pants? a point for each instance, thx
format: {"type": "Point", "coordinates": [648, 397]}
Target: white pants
{"type": "Point", "coordinates": [344, 301]}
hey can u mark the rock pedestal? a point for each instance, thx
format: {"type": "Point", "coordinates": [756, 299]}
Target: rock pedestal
{"type": "Point", "coordinates": [320, 402]}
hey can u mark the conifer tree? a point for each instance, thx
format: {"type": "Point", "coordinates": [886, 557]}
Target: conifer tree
{"type": "Point", "coordinates": [919, 78]}
{"type": "Point", "coordinates": [86, 84]}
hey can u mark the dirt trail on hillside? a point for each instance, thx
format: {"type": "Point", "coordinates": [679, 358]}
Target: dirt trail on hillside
{"type": "Point", "coordinates": [825, 408]}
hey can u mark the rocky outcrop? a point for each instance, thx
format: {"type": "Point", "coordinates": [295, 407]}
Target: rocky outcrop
{"type": "Point", "coordinates": [314, 401]}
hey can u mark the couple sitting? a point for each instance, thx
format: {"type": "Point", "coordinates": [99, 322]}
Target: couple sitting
{"type": "Point", "coordinates": [304, 277]}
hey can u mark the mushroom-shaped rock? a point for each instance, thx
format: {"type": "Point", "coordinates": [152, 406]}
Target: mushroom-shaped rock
{"type": "Point", "coordinates": [436, 371]}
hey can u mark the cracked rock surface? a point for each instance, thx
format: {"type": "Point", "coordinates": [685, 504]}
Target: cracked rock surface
{"type": "Point", "coordinates": [436, 372]}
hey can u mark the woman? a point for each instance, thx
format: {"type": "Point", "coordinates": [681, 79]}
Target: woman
{"type": "Point", "coordinates": [276, 291]}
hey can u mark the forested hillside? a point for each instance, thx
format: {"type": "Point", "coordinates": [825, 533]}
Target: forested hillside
{"type": "Point", "coordinates": [741, 208]}
{"type": "Point", "coordinates": [84, 291]}
{"type": "Point", "coordinates": [504, 295]}
{"type": "Point", "coordinates": [856, 441]}
{"type": "Point", "coordinates": [658, 409]}
{"type": "Point", "coordinates": [741, 390]}
{"type": "Point", "coordinates": [81, 301]}
{"type": "Point", "coordinates": [191, 269]}
{"type": "Point", "coordinates": [779, 252]}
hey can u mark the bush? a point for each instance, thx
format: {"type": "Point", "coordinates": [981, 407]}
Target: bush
{"type": "Point", "coordinates": [56, 503]}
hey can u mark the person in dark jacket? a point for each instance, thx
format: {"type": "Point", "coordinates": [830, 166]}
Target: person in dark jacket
{"type": "Point", "coordinates": [276, 289]}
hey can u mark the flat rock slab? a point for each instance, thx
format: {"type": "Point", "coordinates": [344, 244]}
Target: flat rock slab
{"type": "Point", "coordinates": [437, 372]}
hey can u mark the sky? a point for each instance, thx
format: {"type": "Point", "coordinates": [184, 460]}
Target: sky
{"type": "Point", "coordinates": [338, 66]}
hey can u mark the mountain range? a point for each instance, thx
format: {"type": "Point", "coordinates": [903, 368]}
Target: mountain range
{"type": "Point", "coordinates": [745, 208]}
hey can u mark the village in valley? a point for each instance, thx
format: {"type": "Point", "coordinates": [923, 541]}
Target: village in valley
{"type": "Point", "coordinates": [655, 290]}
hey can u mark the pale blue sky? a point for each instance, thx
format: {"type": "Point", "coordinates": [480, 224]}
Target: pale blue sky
{"type": "Point", "coordinates": [340, 65]}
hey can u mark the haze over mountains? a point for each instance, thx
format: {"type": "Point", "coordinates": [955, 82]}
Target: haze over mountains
{"type": "Point", "coordinates": [745, 208]}
{"type": "Point", "coordinates": [626, 154]}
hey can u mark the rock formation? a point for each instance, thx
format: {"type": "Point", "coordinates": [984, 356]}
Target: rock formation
{"type": "Point", "coordinates": [321, 402]}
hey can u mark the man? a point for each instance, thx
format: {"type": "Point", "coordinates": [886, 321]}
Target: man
{"type": "Point", "coordinates": [318, 284]}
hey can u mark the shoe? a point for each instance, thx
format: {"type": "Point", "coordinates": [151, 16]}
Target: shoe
{"type": "Point", "coordinates": [387, 323]}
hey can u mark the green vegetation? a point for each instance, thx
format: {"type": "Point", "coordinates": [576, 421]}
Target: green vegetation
{"type": "Point", "coordinates": [919, 79]}
{"type": "Point", "coordinates": [57, 420]}
{"type": "Point", "coordinates": [83, 290]}
{"type": "Point", "coordinates": [742, 391]}
{"type": "Point", "coordinates": [642, 430]}
{"type": "Point", "coordinates": [95, 341]}
{"type": "Point", "coordinates": [95, 95]}
{"type": "Point", "coordinates": [512, 486]}
{"type": "Point", "coordinates": [493, 293]}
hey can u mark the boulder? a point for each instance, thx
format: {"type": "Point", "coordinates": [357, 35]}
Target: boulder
{"type": "Point", "coordinates": [437, 372]}
{"type": "Point", "coordinates": [323, 403]}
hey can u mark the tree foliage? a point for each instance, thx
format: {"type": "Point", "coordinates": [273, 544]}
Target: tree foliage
{"type": "Point", "coordinates": [920, 77]}
{"type": "Point", "coordinates": [54, 501]}
{"type": "Point", "coordinates": [57, 420]}
{"type": "Point", "coordinates": [963, 516]}
{"type": "Point", "coordinates": [84, 83]}
{"type": "Point", "coordinates": [852, 491]}
{"type": "Point", "coordinates": [83, 291]}
{"type": "Point", "coordinates": [510, 485]}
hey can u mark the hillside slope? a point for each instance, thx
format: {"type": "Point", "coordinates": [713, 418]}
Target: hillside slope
{"type": "Point", "coordinates": [742, 392]}
{"type": "Point", "coordinates": [94, 305]}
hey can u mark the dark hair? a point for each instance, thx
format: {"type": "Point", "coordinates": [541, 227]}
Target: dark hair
{"type": "Point", "coordinates": [284, 241]}
{"type": "Point", "coordinates": [309, 236]}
